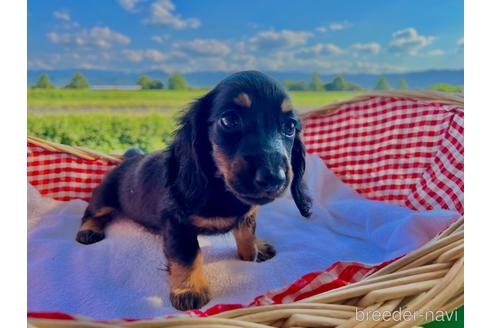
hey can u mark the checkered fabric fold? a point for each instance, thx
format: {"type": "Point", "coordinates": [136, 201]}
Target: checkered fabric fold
{"type": "Point", "coordinates": [406, 151]}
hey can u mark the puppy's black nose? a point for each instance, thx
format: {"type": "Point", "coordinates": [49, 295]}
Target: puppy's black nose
{"type": "Point", "coordinates": [270, 181]}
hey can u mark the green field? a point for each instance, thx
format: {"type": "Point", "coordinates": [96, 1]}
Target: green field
{"type": "Point", "coordinates": [111, 121]}
{"type": "Point", "coordinates": [104, 131]}
{"type": "Point", "coordinates": [145, 99]}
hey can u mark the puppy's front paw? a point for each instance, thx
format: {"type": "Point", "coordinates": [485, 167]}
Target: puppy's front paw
{"type": "Point", "coordinates": [89, 237]}
{"type": "Point", "coordinates": [265, 251]}
{"type": "Point", "coordinates": [189, 299]}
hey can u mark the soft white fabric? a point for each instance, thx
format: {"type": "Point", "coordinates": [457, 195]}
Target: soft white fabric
{"type": "Point", "coordinates": [123, 275]}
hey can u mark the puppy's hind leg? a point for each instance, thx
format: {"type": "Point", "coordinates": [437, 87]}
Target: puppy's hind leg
{"type": "Point", "coordinates": [93, 223]}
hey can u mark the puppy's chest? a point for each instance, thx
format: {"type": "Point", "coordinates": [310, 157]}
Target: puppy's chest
{"type": "Point", "coordinates": [213, 225]}
{"type": "Point", "coordinates": [221, 212]}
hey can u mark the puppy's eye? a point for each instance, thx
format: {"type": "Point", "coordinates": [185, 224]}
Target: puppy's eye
{"type": "Point", "coordinates": [289, 128]}
{"type": "Point", "coordinates": [230, 120]}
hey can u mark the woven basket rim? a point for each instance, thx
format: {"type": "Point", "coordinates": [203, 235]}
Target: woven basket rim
{"type": "Point", "coordinates": [81, 152]}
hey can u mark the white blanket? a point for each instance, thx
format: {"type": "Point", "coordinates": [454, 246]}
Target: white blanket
{"type": "Point", "coordinates": [123, 275]}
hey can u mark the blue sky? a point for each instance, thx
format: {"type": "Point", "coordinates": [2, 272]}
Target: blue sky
{"type": "Point", "coordinates": [328, 36]}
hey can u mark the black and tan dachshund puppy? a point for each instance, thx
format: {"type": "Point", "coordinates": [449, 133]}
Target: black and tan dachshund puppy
{"type": "Point", "coordinates": [236, 148]}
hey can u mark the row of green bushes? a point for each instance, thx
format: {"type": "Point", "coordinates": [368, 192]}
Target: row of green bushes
{"type": "Point", "coordinates": [174, 82]}
{"type": "Point", "coordinates": [78, 81]}
{"type": "Point", "coordinates": [105, 132]}
{"type": "Point", "coordinates": [340, 84]}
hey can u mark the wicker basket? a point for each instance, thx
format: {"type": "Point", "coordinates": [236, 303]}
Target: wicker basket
{"type": "Point", "coordinates": [427, 280]}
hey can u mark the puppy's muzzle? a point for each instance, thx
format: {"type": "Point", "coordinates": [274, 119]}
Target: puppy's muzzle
{"type": "Point", "coordinates": [265, 177]}
{"type": "Point", "coordinates": [270, 180]}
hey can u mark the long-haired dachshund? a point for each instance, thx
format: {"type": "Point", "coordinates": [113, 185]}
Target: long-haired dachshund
{"type": "Point", "coordinates": [236, 148]}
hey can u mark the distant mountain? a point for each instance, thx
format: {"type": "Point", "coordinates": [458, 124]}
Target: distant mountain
{"type": "Point", "coordinates": [416, 80]}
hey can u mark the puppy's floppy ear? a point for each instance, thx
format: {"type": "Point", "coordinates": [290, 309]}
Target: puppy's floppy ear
{"type": "Point", "coordinates": [190, 149]}
{"type": "Point", "coordinates": [297, 188]}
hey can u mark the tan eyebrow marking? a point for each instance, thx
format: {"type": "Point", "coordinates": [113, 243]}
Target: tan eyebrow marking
{"type": "Point", "coordinates": [286, 105]}
{"type": "Point", "coordinates": [243, 100]}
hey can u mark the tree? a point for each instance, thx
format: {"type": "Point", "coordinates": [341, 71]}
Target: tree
{"type": "Point", "coordinates": [156, 85]}
{"type": "Point", "coordinates": [403, 85]}
{"type": "Point", "coordinates": [78, 82]}
{"type": "Point", "coordinates": [340, 84]}
{"type": "Point", "coordinates": [382, 84]}
{"type": "Point", "coordinates": [144, 81]}
{"type": "Point", "coordinates": [316, 84]}
{"type": "Point", "coordinates": [177, 82]}
{"type": "Point", "coordinates": [147, 83]}
{"type": "Point", "coordinates": [44, 83]}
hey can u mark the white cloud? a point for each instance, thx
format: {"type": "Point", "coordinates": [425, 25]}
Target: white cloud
{"type": "Point", "coordinates": [277, 61]}
{"type": "Point", "coordinates": [135, 56]}
{"type": "Point", "coordinates": [271, 40]}
{"type": "Point", "coordinates": [154, 55]}
{"type": "Point", "coordinates": [129, 5]}
{"type": "Point", "coordinates": [62, 14]}
{"type": "Point", "coordinates": [99, 37]}
{"type": "Point", "coordinates": [408, 41]}
{"type": "Point", "coordinates": [239, 61]}
{"type": "Point", "coordinates": [59, 38]}
{"type": "Point", "coordinates": [335, 26]}
{"type": "Point", "coordinates": [71, 60]}
{"type": "Point", "coordinates": [160, 38]}
{"type": "Point", "coordinates": [327, 49]}
{"type": "Point", "coordinates": [162, 13]}
{"type": "Point", "coordinates": [280, 60]}
{"type": "Point", "coordinates": [203, 47]}
{"type": "Point", "coordinates": [372, 48]}
{"type": "Point", "coordinates": [436, 52]}
{"type": "Point", "coordinates": [287, 60]}
{"type": "Point", "coordinates": [194, 65]}
{"type": "Point", "coordinates": [138, 56]}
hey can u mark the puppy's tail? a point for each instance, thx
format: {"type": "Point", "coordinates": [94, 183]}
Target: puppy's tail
{"type": "Point", "coordinates": [133, 152]}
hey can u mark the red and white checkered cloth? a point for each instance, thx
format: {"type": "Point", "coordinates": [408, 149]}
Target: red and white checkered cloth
{"type": "Point", "coordinates": [394, 149]}
{"type": "Point", "coordinates": [408, 151]}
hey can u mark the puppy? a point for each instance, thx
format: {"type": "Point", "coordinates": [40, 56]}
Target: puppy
{"type": "Point", "coordinates": [236, 148]}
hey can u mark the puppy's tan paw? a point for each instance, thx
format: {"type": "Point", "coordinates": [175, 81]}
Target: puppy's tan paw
{"type": "Point", "coordinates": [265, 251]}
{"type": "Point", "coordinates": [189, 299]}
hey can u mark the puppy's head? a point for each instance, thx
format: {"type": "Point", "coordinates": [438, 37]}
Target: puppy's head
{"type": "Point", "coordinates": [254, 139]}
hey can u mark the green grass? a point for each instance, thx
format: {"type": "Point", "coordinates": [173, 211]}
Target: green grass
{"type": "Point", "coordinates": [312, 99]}
{"type": "Point", "coordinates": [138, 99]}
{"type": "Point", "coordinates": [82, 99]}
